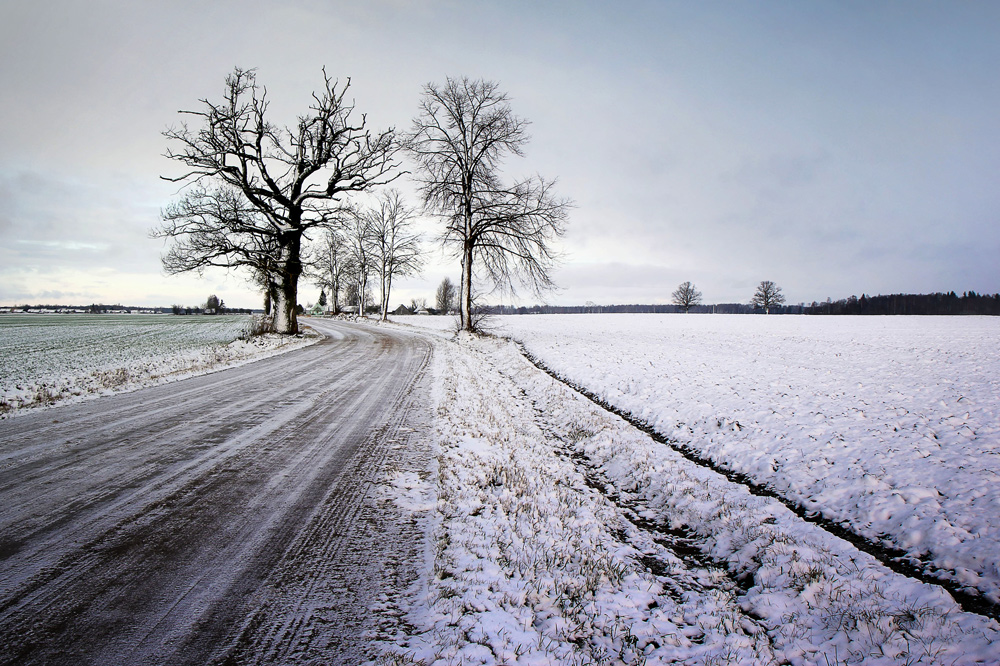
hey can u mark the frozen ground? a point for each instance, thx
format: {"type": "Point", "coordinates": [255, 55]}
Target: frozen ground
{"type": "Point", "coordinates": [230, 518]}
{"type": "Point", "coordinates": [49, 359]}
{"type": "Point", "coordinates": [561, 534]}
{"type": "Point", "coordinates": [888, 424]}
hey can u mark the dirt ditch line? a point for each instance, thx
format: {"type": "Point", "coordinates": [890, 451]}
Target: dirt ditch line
{"type": "Point", "coordinates": [897, 560]}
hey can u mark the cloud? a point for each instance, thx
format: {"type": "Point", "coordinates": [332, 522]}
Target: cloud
{"type": "Point", "coordinates": [834, 149]}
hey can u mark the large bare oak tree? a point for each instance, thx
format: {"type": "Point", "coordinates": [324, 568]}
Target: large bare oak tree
{"type": "Point", "coordinates": [257, 189]}
{"type": "Point", "coordinates": [686, 296]}
{"type": "Point", "coordinates": [503, 232]}
{"type": "Point", "coordinates": [767, 296]}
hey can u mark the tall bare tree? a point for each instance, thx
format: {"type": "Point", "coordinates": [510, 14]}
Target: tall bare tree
{"type": "Point", "coordinates": [358, 232]}
{"type": "Point", "coordinates": [256, 189]}
{"type": "Point", "coordinates": [445, 296]}
{"type": "Point", "coordinates": [459, 139]}
{"type": "Point", "coordinates": [395, 246]}
{"type": "Point", "coordinates": [686, 296]}
{"type": "Point", "coordinates": [768, 295]}
{"type": "Point", "coordinates": [330, 264]}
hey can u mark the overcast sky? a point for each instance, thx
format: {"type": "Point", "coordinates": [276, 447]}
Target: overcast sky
{"type": "Point", "coordinates": [832, 147]}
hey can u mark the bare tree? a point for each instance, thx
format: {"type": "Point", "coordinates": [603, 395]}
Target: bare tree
{"type": "Point", "coordinates": [686, 296]}
{"type": "Point", "coordinates": [462, 134]}
{"type": "Point", "coordinates": [768, 295]}
{"type": "Point", "coordinates": [330, 265]}
{"type": "Point", "coordinates": [395, 247]}
{"type": "Point", "coordinates": [358, 232]}
{"type": "Point", "coordinates": [270, 185]}
{"type": "Point", "coordinates": [445, 296]}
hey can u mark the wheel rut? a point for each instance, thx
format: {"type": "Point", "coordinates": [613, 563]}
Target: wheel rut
{"type": "Point", "coordinates": [894, 559]}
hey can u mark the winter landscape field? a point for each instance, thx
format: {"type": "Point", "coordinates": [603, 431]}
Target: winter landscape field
{"type": "Point", "coordinates": [51, 358]}
{"type": "Point", "coordinates": [889, 425]}
{"type": "Point", "coordinates": [556, 532]}
{"type": "Point", "coordinates": [565, 535]}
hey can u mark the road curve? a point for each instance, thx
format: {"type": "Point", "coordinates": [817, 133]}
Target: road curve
{"type": "Point", "coordinates": [230, 518]}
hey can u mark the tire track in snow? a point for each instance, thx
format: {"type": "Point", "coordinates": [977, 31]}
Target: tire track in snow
{"type": "Point", "coordinates": [143, 527]}
{"type": "Point", "coordinates": [286, 623]}
{"type": "Point", "coordinates": [894, 559]}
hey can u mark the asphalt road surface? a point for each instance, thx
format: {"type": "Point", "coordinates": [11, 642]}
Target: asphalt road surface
{"type": "Point", "coordinates": [232, 518]}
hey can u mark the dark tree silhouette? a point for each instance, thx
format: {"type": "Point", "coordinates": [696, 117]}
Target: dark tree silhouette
{"type": "Point", "coordinates": [768, 295]}
{"type": "Point", "coordinates": [256, 190]}
{"type": "Point", "coordinates": [686, 296]}
{"type": "Point", "coordinates": [445, 296]}
{"type": "Point", "coordinates": [505, 232]}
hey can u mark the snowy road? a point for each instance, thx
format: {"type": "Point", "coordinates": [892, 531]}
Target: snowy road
{"type": "Point", "coordinates": [229, 518]}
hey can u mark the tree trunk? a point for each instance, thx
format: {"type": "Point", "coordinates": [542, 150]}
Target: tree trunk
{"type": "Point", "coordinates": [466, 294]}
{"type": "Point", "coordinates": [334, 292]}
{"type": "Point", "coordinates": [362, 288]}
{"type": "Point", "coordinates": [386, 287]}
{"type": "Point", "coordinates": [290, 267]}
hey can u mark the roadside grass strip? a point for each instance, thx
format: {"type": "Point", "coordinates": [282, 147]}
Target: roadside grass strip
{"type": "Point", "coordinates": [534, 565]}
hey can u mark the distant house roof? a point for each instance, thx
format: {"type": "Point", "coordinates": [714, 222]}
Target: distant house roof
{"type": "Point", "coordinates": [402, 310]}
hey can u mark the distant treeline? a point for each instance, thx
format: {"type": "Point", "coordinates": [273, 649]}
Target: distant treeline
{"type": "Point", "coordinates": [660, 308]}
{"type": "Point", "coordinates": [969, 303]}
{"type": "Point", "coordinates": [100, 308]}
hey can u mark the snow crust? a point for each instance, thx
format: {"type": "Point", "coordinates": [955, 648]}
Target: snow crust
{"type": "Point", "coordinates": [555, 540]}
{"type": "Point", "coordinates": [888, 424]}
{"type": "Point", "coordinates": [58, 358]}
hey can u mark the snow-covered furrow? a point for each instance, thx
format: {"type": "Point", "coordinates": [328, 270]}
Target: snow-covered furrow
{"type": "Point", "coordinates": [894, 558]}
{"type": "Point", "coordinates": [887, 426]}
{"type": "Point", "coordinates": [533, 565]}
{"type": "Point", "coordinates": [530, 565]}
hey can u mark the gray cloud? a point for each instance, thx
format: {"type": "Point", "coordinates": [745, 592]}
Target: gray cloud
{"type": "Point", "coordinates": [833, 148]}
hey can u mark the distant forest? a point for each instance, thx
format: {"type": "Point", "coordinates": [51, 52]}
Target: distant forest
{"type": "Point", "coordinates": [969, 303]}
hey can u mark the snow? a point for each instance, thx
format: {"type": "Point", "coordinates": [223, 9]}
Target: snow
{"type": "Point", "coordinates": [58, 358]}
{"type": "Point", "coordinates": [889, 424]}
{"type": "Point", "coordinates": [557, 533]}
{"type": "Point", "coordinates": [562, 534]}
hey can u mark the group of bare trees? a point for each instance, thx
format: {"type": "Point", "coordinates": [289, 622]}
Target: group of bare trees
{"type": "Point", "coordinates": [767, 296]}
{"type": "Point", "coordinates": [256, 190]}
{"type": "Point", "coordinates": [257, 194]}
{"type": "Point", "coordinates": [364, 245]}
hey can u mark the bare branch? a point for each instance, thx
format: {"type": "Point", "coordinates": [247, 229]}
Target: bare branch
{"type": "Point", "coordinates": [273, 185]}
{"type": "Point", "coordinates": [505, 233]}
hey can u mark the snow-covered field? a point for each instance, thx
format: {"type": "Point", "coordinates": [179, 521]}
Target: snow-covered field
{"type": "Point", "coordinates": [888, 424]}
{"type": "Point", "coordinates": [562, 535]}
{"type": "Point", "coordinates": [48, 359]}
